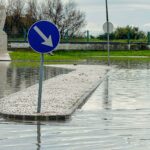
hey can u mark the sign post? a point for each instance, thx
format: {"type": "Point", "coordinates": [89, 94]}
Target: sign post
{"type": "Point", "coordinates": [40, 83]}
{"type": "Point", "coordinates": [107, 20]}
{"type": "Point", "coordinates": [148, 37]}
{"type": "Point", "coordinates": [108, 28]}
{"type": "Point", "coordinates": [43, 37]}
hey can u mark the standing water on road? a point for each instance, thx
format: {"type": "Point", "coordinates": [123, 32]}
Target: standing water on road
{"type": "Point", "coordinates": [115, 117]}
{"type": "Point", "coordinates": [15, 78]}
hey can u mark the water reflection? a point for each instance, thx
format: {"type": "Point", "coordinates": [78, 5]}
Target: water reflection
{"type": "Point", "coordinates": [3, 78]}
{"type": "Point", "coordinates": [106, 98]}
{"type": "Point", "coordinates": [123, 89]}
{"type": "Point", "coordinates": [38, 135]}
{"type": "Point", "coordinates": [101, 99]}
{"type": "Point", "coordinates": [120, 63]}
{"type": "Point", "coordinates": [116, 116]}
{"type": "Point", "coordinates": [14, 78]}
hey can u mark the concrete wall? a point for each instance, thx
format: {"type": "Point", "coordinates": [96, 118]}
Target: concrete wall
{"type": "Point", "coordinates": [89, 46]}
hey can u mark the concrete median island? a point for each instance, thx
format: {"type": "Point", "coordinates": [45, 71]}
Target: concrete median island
{"type": "Point", "coordinates": [61, 96]}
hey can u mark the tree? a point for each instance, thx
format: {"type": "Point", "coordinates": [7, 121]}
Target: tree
{"type": "Point", "coordinates": [14, 11]}
{"type": "Point", "coordinates": [67, 17]}
{"type": "Point", "coordinates": [123, 32]}
{"type": "Point", "coordinates": [74, 19]}
{"type": "Point", "coordinates": [31, 15]}
{"type": "Point", "coordinates": [21, 14]}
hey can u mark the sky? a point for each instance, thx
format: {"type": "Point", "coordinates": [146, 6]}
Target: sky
{"type": "Point", "coordinates": [121, 13]}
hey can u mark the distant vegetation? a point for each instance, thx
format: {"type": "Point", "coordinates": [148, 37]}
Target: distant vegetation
{"type": "Point", "coordinates": [21, 14]}
{"type": "Point", "coordinates": [128, 32]}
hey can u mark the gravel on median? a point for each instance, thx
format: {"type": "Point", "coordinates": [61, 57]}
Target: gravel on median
{"type": "Point", "coordinates": [61, 95]}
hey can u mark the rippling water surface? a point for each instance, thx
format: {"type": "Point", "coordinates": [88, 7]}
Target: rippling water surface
{"type": "Point", "coordinates": [116, 117]}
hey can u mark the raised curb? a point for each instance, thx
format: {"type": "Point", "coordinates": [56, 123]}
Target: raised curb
{"type": "Point", "coordinates": [46, 117]}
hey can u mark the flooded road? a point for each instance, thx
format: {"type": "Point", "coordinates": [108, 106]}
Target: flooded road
{"type": "Point", "coordinates": [14, 78]}
{"type": "Point", "coordinates": [115, 117]}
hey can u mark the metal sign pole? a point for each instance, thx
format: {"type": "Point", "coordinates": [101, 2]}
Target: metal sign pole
{"type": "Point", "coordinates": [108, 42]}
{"type": "Point", "coordinates": [40, 83]}
{"type": "Point", "coordinates": [43, 37]}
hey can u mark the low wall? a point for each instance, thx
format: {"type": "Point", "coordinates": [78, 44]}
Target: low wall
{"type": "Point", "coordinates": [90, 46]}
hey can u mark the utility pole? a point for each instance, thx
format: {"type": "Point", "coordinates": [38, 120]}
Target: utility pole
{"type": "Point", "coordinates": [108, 32]}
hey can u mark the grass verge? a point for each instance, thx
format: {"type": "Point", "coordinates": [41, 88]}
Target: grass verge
{"type": "Point", "coordinates": [28, 55]}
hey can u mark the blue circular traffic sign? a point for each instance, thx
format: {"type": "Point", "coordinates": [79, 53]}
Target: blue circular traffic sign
{"type": "Point", "coordinates": [43, 36]}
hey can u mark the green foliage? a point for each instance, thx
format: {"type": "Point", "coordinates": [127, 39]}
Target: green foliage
{"type": "Point", "coordinates": [104, 36]}
{"type": "Point", "coordinates": [69, 56]}
{"type": "Point", "coordinates": [132, 32]}
{"type": "Point", "coordinates": [125, 33]}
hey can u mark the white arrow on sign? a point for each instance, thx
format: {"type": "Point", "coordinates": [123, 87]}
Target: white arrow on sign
{"type": "Point", "coordinates": [47, 41]}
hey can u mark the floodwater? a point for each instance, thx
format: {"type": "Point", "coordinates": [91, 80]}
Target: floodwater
{"type": "Point", "coordinates": [15, 78]}
{"type": "Point", "coordinates": [115, 117]}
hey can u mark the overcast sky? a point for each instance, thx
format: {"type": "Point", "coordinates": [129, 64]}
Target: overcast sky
{"type": "Point", "coordinates": [121, 13]}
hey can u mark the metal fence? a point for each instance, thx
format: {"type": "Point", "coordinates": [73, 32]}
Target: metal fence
{"type": "Point", "coordinates": [85, 37]}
